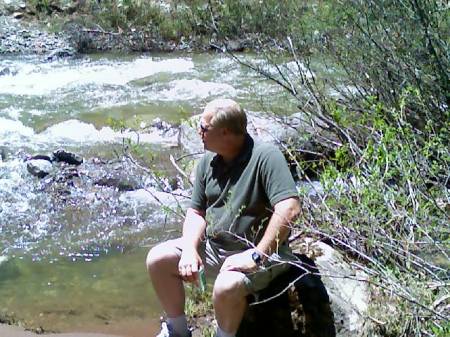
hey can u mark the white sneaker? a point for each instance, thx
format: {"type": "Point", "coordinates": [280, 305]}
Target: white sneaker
{"type": "Point", "coordinates": [166, 331]}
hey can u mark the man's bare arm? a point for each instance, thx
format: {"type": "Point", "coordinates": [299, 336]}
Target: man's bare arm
{"type": "Point", "coordinates": [277, 231]}
{"type": "Point", "coordinates": [193, 231]}
{"type": "Point", "coordinates": [193, 228]}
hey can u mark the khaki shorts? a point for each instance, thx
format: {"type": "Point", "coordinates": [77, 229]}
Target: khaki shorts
{"type": "Point", "coordinates": [213, 257]}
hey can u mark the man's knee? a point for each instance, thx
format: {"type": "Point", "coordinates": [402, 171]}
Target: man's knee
{"type": "Point", "coordinates": [162, 254]}
{"type": "Point", "coordinates": [229, 284]}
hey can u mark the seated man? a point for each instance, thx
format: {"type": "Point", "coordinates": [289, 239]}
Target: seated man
{"type": "Point", "coordinates": [242, 206]}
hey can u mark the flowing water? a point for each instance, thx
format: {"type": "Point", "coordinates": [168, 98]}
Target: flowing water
{"type": "Point", "coordinates": [73, 261]}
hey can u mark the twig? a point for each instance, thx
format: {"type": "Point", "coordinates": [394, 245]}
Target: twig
{"type": "Point", "coordinates": [172, 160]}
{"type": "Point", "coordinates": [99, 31]}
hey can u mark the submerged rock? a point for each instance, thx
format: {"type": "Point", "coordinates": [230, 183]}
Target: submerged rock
{"type": "Point", "coordinates": [4, 71]}
{"type": "Point", "coordinates": [121, 183]}
{"type": "Point", "coordinates": [3, 153]}
{"type": "Point", "coordinates": [41, 156]}
{"type": "Point", "coordinates": [60, 53]}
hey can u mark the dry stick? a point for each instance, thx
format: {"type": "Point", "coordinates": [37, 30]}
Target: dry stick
{"type": "Point", "coordinates": [312, 91]}
{"type": "Point", "coordinates": [189, 155]}
{"type": "Point", "coordinates": [416, 263]}
{"type": "Point", "coordinates": [172, 160]}
{"type": "Point", "coordinates": [174, 195]}
{"type": "Point", "coordinates": [99, 31]}
{"type": "Point", "coordinates": [412, 195]}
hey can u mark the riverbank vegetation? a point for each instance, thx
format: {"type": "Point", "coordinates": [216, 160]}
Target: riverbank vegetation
{"type": "Point", "coordinates": [380, 130]}
{"type": "Point", "coordinates": [385, 126]}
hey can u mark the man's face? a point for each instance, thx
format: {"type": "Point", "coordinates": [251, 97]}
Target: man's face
{"type": "Point", "coordinates": [208, 133]}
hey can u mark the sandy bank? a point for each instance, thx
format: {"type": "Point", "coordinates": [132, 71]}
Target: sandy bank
{"type": "Point", "coordinates": [14, 331]}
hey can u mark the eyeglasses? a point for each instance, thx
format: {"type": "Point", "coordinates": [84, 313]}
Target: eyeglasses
{"type": "Point", "coordinates": [203, 128]}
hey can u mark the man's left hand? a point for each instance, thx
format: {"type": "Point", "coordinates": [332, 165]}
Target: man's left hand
{"type": "Point", "coordinates": [242, 262]}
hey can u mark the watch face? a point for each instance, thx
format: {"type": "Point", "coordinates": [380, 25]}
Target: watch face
{"type": "Point", "coordinates": [256, 257]}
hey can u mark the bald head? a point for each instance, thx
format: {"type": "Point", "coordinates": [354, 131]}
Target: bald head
{"type": "Point", "coordinates": [227, 113]}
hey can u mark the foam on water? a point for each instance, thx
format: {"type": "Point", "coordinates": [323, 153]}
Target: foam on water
{"type": "Point", "coordinates": [9, 128]}
{"type": "Point", "coordinates": [152, 196]}
{"type": "Point", "coordinates": [194, 89]}
{"type": "Point", "coordinates": [45, 78]}
{"type": "Point", "coordinates": [74, 131]}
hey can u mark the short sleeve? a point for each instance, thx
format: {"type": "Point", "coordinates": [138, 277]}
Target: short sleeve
{"type": "Point", "coordinates": [198, 198]}
{"type": "Point", "coordinates": [276, 177]}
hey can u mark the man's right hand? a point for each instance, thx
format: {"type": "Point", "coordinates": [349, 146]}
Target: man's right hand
{"type": "Point", "coordinates": [189, 265]}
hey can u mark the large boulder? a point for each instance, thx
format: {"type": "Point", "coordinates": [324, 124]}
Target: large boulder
{"type": "Point", "coordinates": [322, 295]}
{"type": "Point", "coordinates": [295, 304]}
{"type": "Point", "coordinates": [346, 286]}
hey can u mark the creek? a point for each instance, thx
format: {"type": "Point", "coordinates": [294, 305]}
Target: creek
{"type": "Point", "coordinates": [74, 261]}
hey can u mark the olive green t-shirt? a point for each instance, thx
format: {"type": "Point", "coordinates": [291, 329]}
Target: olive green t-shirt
{"type": "Point", "coordinates": [238, 198]}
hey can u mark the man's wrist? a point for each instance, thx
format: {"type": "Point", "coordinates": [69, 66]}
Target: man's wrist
{"type": "Point", "coordinates": [257, 257]}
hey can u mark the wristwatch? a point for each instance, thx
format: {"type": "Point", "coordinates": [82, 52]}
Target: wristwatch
{"type": "Point", "coordinates": [257, 257]}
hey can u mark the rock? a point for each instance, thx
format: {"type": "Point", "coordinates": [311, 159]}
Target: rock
{"type": "Point", "coordinates": [122, 184]}
{"type": "Point", "coordinates": [41, 156]}
{"type": "Point", "coordinates": [349, 294]}
{"type": "Point", "coordinates": [297, 306]}
{"type": "Point", "coordinates": [39, 167]}
{"type": "Point", "coordinates": [15, 39]}
{"type": "Point", "coordinates": [329, 299]}
{"type": "Point", "coordinates": [5, 71]}
{"type": "Point", "coordinates": [67, 157]}
{"type": "Point", "coordinates": [161, 125]}
{"type": "Point", "coordinates": [11, 6]}
{"type": "Point", "coordinates": [3, 153]}
{"type": "Point", "coordinates": [17, 15]}
{"type": "Point", "coordinates": [60, 53]}
{"type": "Point", "coordinates": [235, 46]}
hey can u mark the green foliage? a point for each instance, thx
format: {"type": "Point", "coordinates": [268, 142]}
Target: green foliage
{"type": "Point", "coordinates": [387, 48]}
{"type": "Point", "coordinates": [40, 6]}
{"type": "Point", "coordinates": [385, 197]}
{"type": "Point", "coordinates": [198, 303]}
{"type": "Point", "coordinates": [387, 126]}
{"type": "Point", "coordinates": [389, 208]}
{"type": "Point", "coordinates": [128, 13]}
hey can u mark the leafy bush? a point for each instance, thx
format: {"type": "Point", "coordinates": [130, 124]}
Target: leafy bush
{"type": "Point", "coordinates": [385, 119]}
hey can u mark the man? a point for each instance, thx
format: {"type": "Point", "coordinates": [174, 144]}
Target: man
{"type": "Point", "coordinates": [243, 202]}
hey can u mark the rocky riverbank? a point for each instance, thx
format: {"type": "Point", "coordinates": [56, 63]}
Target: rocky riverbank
{"type": "Point", "coordinates": [21, 32]}
{"type": "Point", "coordinates": [18, 36]}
